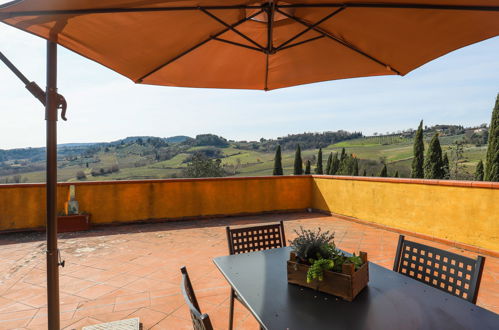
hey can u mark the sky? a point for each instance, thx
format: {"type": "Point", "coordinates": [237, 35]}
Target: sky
{"type": "Point", "coordinates": [458, 88]}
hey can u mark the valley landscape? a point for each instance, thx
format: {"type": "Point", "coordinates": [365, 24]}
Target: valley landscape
{"type": "Point", "coordinates": [144, 157]}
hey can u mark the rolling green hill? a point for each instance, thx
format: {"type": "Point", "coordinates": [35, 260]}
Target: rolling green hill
{"type": "Point", "coordinates": [134, 159]}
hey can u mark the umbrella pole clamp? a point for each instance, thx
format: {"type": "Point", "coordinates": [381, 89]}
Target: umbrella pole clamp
{"type": "Point", "coordinates": [60, 104]}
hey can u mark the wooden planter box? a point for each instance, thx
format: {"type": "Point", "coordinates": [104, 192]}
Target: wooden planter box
{"type": "Point", "coordinates": [76, 222]}
{"type": "Point", "coordinates": [345, 285]}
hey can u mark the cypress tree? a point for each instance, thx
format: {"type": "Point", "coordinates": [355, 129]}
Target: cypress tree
{"type": "Point", "coordinates": [278, 161]}
{"type": "Point", "coordinates": [445, 167]}
{"type": "Point", "coordinates": [365, 172]}
{"type": "Point", "coordinates": [307, 167]}
{"type": "Point", "coordinates": [347, 165]}
{"type": "Point", "coordinates": [418, 149]}
{"type": "Point", "coordinates": [396, 174]}
{"type": "Point", "coordinates": [384, 172]}
{"type": "Point", "coordinates": [329, 162]}
{"type": "Point", "coordinates": [335, 165]}
{"type": "Point", "coordinates": [342, 166]}
{"type": "Point", "coordinates": [492, 160]}
{"type": "Point", "coordinates": [298, 168]}
{"type": "Point", "coordinates": [318, 168]}
{"type": "Point", "coordinates": [343, 154]}
{"type": "Point", "coordinates": [355, 167]}
{"type": "Point", "coordinates": [479, 171]}
{"type": "Point", "coordinates": [433, 164]}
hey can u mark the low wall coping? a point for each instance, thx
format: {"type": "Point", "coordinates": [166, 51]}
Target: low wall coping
{"type": "Point", "coordinates": [453, 183]}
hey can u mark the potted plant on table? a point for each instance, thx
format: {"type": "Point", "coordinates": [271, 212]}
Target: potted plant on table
{"type": "Point", "coordinates": [316, 263]}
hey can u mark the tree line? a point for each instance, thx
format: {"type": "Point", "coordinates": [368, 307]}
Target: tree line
{"type": "Point", "coordinates": [339, 164]}
{"type": "Point", "coordinates": [434, 165]}
{"type": "Point", "coordinates": [307, 140]}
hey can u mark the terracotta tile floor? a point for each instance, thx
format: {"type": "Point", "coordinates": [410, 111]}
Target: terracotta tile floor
{"type": "Point", "coordinates": [126, 271]}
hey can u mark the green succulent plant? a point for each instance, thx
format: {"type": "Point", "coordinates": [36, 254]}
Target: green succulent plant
{"type": "Point", "coordinates": [316, 271]}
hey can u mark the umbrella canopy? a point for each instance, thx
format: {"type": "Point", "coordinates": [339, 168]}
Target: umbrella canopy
{"type": "Point", "coordinates": [256, 44]}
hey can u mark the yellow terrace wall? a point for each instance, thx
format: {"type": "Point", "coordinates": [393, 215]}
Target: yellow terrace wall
{"type": "Point", "coordinates": [466, 212]}
{"type": "Point", "coordinates": [23, 206]}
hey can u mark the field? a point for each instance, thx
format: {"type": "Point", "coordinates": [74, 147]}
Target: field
{"type": "Point", "coordinates": [134, 162]}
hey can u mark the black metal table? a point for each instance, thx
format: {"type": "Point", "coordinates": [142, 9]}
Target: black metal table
{"type": "Point", "coordinates": [390, 301]}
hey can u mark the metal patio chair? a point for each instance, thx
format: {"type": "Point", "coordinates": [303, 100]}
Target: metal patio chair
{"type": "Point", "coordinates": [199, 321]}
{"type": "Point", "coordinates": [250, 239]}
{"type": "Point", "coordinates": [447, 271]}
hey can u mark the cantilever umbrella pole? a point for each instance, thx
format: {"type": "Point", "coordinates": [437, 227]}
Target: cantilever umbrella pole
{"type": "Point", "coordinates": [51, 106]}
{"type": "Point", "coordinates": [52, 102]}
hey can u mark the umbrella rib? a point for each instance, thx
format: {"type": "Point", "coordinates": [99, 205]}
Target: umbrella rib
{"type": "Point", "coordinates": [391, 6]}
{"type": "Point", "coordinates": [196, 46]}
{"type": "Point", "coordinates": [233, 29]}
{"type": "Point", "coordinates": [270, 10]}
{"type": "Point", "coordinates": [337, 11]}
{"type": "Point", "coordinates": [118, 10]}
{"type": "Point", "coordinates": [266, 87]}
{"type": "Point", "coordinates": [238, 44]}
{"type": "Point", "coordinates": [343, 43]}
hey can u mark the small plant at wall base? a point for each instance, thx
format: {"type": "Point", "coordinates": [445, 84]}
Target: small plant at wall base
{"type": "Point", "coordinates": [72, 219]}
{"type": "Point", "coordinates": [315, 259]}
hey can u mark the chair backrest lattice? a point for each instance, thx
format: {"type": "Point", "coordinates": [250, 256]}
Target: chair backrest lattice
{"type": "Point", "coordinates": [199, 321]}
{"type": "Point", "coordinates": [447, 271]}
{"type": "Point", "coordinates": [258, 238]}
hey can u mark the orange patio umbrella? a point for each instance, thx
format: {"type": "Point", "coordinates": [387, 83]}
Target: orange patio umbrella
{"type": "Point", "coordinates": [238, 44]}
{"type": "Point", "coordinates": [256, 44]}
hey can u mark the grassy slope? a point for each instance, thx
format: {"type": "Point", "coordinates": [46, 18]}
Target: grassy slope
{"type": "Point", "coordinates": [250, 162]}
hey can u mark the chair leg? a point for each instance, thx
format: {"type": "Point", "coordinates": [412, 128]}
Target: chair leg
{"type": "Point", "coordinates": [231, 311]}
